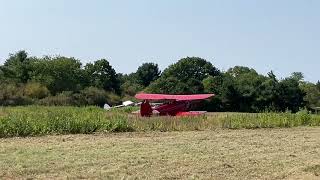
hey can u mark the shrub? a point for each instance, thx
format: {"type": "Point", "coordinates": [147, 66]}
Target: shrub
{"type": "Point", "coordinates": [131, 88]}
{"type": "Point", "coordinates": [113, 99]}
{"type": "Point", "coordinates": [94, 96]}
{"type": "Point", "coordinates": [36, 90]}
{"type": "Point", "coordinates": [62, 99]}
{"type": "Point", "coordinates": [12, 95]}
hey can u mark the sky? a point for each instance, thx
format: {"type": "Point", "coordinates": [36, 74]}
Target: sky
{"type": "Point", "coordinates": [283, 36]}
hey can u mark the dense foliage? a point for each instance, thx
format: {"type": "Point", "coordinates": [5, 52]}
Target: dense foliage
{"type": "Point", "coordinates": [66, 81]}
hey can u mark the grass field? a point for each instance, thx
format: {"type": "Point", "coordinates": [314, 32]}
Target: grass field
{"type": "Point", "coordinates": [285, 153]}
{"type": "Point", "coordinates": [38, 120]}
{"type": "Point", "coordinates": [72, 143]}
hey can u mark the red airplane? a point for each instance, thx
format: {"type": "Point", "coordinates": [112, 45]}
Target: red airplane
{"type": "Point", "coordinates": [175, 105]}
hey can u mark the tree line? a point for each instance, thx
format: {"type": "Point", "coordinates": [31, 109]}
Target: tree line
{"type": "Point", "coordinates": [63, 80]}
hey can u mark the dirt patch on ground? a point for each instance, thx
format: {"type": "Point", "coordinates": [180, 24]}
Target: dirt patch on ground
{"type": "Point", "coordinates": [221, 154]}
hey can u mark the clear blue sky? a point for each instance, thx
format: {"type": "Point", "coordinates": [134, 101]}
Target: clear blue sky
{"type": "Point", "coordinates": [279, 35]}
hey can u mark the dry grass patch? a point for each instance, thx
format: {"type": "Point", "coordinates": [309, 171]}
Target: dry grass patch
{"type": "Point", "coordinates": [218, 154]}
{"type": "Point", "coordinates": [313, 169]}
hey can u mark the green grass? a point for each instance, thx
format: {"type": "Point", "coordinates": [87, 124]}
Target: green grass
{"type": "Point", "coordinates": [39, 120]}
{"type": "Point", "coordinates": [226, 120]}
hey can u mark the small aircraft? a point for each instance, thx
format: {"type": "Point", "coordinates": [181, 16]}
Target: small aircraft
{"type": "Point", "coordinates": [174, 105]}
{"type": "Point", "coordinates": [124, 104]}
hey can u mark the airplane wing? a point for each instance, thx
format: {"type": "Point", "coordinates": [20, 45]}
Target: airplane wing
{"type": "Point", "coordinates": [173, 97]}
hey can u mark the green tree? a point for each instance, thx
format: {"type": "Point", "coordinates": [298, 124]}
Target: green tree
{"type": "Point", "coordinates": [194, 86]}
{"type": "Point", "coordinates": [170, 85]}
{"type": "Point", "coordinates": [184, 77]}
{"type": "Point", "coordinates": [191, 67]}
{"type": "Point", "coordinates": [58, 74]}
{"type": "Point", "coordinates": [102, 75]}
{"type": "Point", "coordinates": [131, 88]}
{"type": "Point", "coordinates": [2, 77]}
{"type": "Point", "coordinates": [240, 70]}
{"type": "Point", "coordinates": [16, 67]}
{"type": "Point", "coordinates": [147, 73]}
{"type": "Point", "coordinates": [318, 85]}
{"type": "Point", "coordinates": [298, 76]}
{"type": "Point", "coordinates": [267, 94]}
{"type": "Point", "coordinates": [312, 97]}
{"type": "Point", "coordinates": [244, 91]}
{"type": "Point", "coordinates": [218, 86]}
{"type": "Point", "coordinates": [129, 78]}
{"type": "Point", "coordinates": [129, 85]}
{"type": "Point", "coordinates": [290, 95]}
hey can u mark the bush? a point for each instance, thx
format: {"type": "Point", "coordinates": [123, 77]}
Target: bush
{"type": "Point", "coordinates": [89, 96]}
{"type": "Point", "coordinates": [12, 95]}
{"type": "Point", "coordinates": [131, 88]}
{"type": "Point", "coordinates": [62, 99]}
{"type": "Point", "coordinates": [36, 90]}
{"type": "Point", "coordinates": [94, 96]}
{"type": "Point", "coordinates": [113, 99]}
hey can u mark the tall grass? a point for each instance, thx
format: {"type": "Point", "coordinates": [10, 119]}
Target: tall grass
{"type": "Point", "coordinates": [226, 120]}
{"type": "Point", "coordinates": [269, 120]}
{"type": "Point", "coordinates": [39, 120]}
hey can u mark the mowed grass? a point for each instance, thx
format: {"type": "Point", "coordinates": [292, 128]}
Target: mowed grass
{"type": "Point", "coordinates": [39, 120]}
{"type": "Point", "coordinates": [278, 153]}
